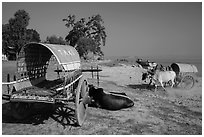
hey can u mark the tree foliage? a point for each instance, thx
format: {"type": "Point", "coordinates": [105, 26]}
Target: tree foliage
{"type": "Point", "coordinates": [85, 35]}
{"type": "Point", "coordinates": [18, 26]}
{"type": "Point", "coordinates": [5, 38]}
{"type": "Point", "coordinates": [32, 35]}
{"type": "Point", "coordinates": [15, 34]}
{"type": "Point", "coordinates": [55, 40]}
{"type": "Point", "coordinates": [84, 46]}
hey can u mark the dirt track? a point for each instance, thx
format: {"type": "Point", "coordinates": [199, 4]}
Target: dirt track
{"type": "Point", "coordinates": [170, 112]}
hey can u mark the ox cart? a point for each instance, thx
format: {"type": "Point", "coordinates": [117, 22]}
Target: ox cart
{"type": "Point", "coordinates": [36, 80]}
{"type": "Point", "coordinates": [185, 74]}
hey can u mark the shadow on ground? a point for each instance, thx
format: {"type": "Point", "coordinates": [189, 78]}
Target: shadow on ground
{"type": "Point", "coordinates": [141, 86]}
{"type": "Point", "coordinates": [62, 114]}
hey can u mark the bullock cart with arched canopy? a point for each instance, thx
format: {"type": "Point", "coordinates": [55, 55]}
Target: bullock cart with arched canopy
{"type": "Point", "coordinates": [37, 82]}
{"type": "Point", "coordinates": [185, 74]}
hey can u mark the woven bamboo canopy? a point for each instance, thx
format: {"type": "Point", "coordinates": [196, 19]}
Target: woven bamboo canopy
{"type": "Point", "coordinates": [39, 54]}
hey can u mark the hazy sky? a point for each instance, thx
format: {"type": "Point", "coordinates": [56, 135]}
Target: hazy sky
{"type": "Point", "coordinates": [133, 29]}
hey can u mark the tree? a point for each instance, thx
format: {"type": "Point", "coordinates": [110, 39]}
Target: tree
{"type": "Point", "coordinates": [86, 35]}
{"type": "Point", "coordinates": [55, 40]}
{"type": "Point", "coordinates": [32, 36]}
{"type": "Point", "coordinates": [18, 26]}
{"type": "Point", "coordinates": [84, 46]}
{"type": "Point", "coordinates": [8, 47]}
{"type": "Point", "coordinates": [15, 34]}
{"type": "Point", "coordinates": [5, 38]}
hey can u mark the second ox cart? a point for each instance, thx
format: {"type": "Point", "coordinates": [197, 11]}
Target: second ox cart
{"type": "Point", "coordinates": [185, 74]}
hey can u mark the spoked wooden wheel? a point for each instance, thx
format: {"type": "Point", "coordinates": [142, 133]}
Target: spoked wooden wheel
{"type": "Point", "coordinates": [20, 110]}
{"type": "Point", "coordinates": [64, 115]}
{"type": "Point", "coordinates": [187, 82]}
{"type": "Point", "coordinates": [82, 99]}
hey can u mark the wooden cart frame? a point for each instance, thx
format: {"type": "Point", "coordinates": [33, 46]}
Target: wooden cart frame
{"type": "Point", "coordinates": [36, 80]}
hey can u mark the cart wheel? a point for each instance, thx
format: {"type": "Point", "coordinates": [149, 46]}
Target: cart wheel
{"type": "Point", "coordinates": [20, 110]}
{"type": "Point", "coordinates": [82, 98]}
{"type": "Point", "coordinates": [187, 82]}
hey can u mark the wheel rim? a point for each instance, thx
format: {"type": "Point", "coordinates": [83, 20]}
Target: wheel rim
{"type": "Point", "coordinates": [187, 82]}
{"type": "Point", "coordinates": [81, 102]}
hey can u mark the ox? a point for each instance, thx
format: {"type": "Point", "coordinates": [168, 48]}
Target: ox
{"type": "Point", "coordinates": [109, 100]}
{"type": "Point", "coordinates": [159, 77]}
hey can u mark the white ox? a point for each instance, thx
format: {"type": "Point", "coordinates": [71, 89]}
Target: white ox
{"type": "Point", "coordinates": [159, 77]}
{"type": "Point", "coordinates": [163, 76]}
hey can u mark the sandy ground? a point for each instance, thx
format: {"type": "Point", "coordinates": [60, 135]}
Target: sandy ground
{"type": "Point", "coordinates": [172, 112]}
